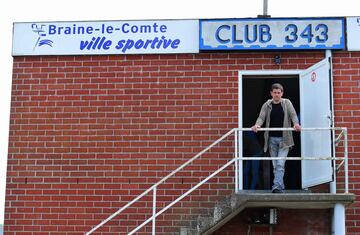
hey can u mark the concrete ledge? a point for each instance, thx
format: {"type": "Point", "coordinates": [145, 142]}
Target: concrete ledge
{"type": "Point", "coordinates": [295, 200]}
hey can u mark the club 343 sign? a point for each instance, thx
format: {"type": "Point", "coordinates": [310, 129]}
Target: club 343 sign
{"type": "Point", "coordinates": [272, 33]}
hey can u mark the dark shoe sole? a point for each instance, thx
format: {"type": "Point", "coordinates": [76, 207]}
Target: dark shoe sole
{"type": "Point", "coordinates": [277, 191]}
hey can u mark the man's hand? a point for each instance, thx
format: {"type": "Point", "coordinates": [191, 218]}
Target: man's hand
{"type": "Point", "coordinates": [297, 127]}
{"type": "Point", "coordinates": [255, 128]}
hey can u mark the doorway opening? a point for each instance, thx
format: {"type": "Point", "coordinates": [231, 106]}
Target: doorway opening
{"type": "Point", "coordinates": [256, 91]}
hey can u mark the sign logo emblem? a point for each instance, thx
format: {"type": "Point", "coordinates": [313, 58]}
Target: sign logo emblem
{"type": "Point", "coordinates": [39, 29]}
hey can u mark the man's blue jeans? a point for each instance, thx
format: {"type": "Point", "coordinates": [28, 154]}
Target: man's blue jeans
{"type": "Point", "coordinates": [278, 165]}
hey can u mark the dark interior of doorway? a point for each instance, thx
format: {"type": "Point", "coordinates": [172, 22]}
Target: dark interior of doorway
{"type": "Point", "coordinates": [256, 90]}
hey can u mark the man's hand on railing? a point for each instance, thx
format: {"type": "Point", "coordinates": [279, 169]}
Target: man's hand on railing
{"type": "Point", "coordinates": [255, 128]}
{"type": "Point", "coordinates": [297, 127]}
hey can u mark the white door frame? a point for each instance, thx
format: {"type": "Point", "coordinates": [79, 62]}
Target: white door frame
{"type": "Point", "coordinates": [241, 74]}
{"type": "Point", "coordinates": [298, 73]}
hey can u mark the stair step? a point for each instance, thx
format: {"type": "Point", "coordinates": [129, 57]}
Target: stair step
{"type": "Point", "coordinates": [220, 210]}
{"type": "Point", "coordinates": [203, 223]}
{"type": "Point", "coordinates": [188, 231]}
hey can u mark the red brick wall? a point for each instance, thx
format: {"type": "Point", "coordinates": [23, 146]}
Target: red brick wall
{"type": "Point", "coordinates": [89, 133]}
{"type": "Point", "coordinates": [347, 114]}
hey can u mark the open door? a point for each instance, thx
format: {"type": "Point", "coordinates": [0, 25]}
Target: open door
{"type": "Point", "coordinates": [315, 109]}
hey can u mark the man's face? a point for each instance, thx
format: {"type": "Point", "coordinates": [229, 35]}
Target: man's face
{"type": "Point", "coordinates": [276, 95]}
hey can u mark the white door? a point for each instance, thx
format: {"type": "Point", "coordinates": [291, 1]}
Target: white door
{"type": "Point", "coordinates": [315, 112]}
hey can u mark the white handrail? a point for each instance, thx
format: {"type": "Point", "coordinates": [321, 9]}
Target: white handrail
{"type": "Point", "coordinates": [183, 195]}
{"type": "Point", "coordinates": [236, 130]}
{"type": "Point", "coordinates": [161, 181]}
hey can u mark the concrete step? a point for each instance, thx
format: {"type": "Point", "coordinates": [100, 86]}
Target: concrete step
{"type": "Point", "coordinates": [188, 231]}
{"type": "Point", "coordinates": [221, 210]}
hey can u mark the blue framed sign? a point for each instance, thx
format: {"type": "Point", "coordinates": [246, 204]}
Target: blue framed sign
{"type": "Point", "coordinates": [106, 37]}
{"type": "Point", "coordinates": [272, 34]}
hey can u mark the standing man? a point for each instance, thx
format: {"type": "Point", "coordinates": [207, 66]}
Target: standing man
{"type": "Point", "coordinates": [277, 112]}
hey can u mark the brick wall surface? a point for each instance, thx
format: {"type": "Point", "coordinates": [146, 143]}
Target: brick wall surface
{"type": "Point", "coordinates": [89, 133]}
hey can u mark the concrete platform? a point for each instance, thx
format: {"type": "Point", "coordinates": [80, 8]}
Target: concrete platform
{"type": "Point", "coordinates": [294, 199]}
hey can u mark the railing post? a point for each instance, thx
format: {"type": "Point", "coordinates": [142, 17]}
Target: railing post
{"type": "Point", "coordinates": [346, 161]}
{"type": "Point", "coordinates": [333, 187]}
{"type": "Point", "coordinates": [240, 173]}
{"type": "Point", "coordinates": [236, 163]}
{"type": "Point", "coordinates": [154, 212]}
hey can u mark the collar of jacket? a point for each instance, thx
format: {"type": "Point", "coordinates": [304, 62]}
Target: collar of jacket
{"type": "Point", "coordinates": [282, 101]}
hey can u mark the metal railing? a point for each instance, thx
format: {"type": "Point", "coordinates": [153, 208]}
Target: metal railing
{"type": "Point", "coordinates": [238, 173]}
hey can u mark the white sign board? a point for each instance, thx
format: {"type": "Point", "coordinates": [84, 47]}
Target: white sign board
{"type": "Point", "coordinates": [353, 33]}
{"type": "Point", "coordinates": [272, 34]}
{"type": "Point", "coordinates": [108, 37]}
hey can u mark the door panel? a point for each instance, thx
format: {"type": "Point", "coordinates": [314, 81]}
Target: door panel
{"type": "Point", "coordinates": [315, 113]}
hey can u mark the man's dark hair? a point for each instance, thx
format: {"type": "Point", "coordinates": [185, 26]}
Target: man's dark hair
{"type": "Point", "coordinates": [277, 86]}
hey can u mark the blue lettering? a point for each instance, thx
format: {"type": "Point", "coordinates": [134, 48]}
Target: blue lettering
{"type": "Point", "coordinates": [124, 30]}
{"type": "Point", "coordinates": [80, 30]}
{"type": "Point", "coordinates": [166, 43]}
{"type": "Point", "coordinates": [101, 43]}
{"type": "Point", "coordinates": [160, 41]}
{"type": "Point", "coordinates": [175, 43]}
{"type": "Point", "coordinates": [139, 43]}
{"type": "Point", "coordinates": [155, 27]}
{"type": "Point", "coordinates": [107, 45]}
{"type": "Point", "coordinates": [96, 43]}
{"type": "Point", "coordinates": [234, 39]}
{"type": "Point", "coordinates": [254, 38]}
{"type": "Point", "coordinates": [134, 29]}
{"type": "Point", "coordinates": [59, 30]}
{"type": "Point", "coordinates": [102, 28]}
{"type": "Point", "coordinates": [156, 39]}
{"type": "Point", "coordinates": [89, 30]}
{"type": "Point", "coordinates": [217, 34]}
{"type": "Point", "coordinates": [145, 29]}
{"type": "Point", "coordinates": [125, 45]}
{"type": "Point", "coordinates": [323, 29]}
{"type": "Point", "coordinates": [83, 44]}
{"type": "Point", "coordinates": [148, 41]}
{"type": "Point", "coordinates": [265, 35]}
{"type": "Point", "coordinates": [109, 29]}
{"type": "Point", "coordinates": [292, 37]}
{"type": "Point", "coordinates": [87, 44]}
{"type": "Point", "coordinates": [163, 28]}
{"type": "Point", "coordinates": [67, 30]}
{"type": "Point", "coordinates": [307, 33]}
{"type": "Point", "coordinates": [129, 44]}
{"type": "Point", "coordinates": [120, 44]}
{"type": "Point", "coordinates": [52, 29]}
